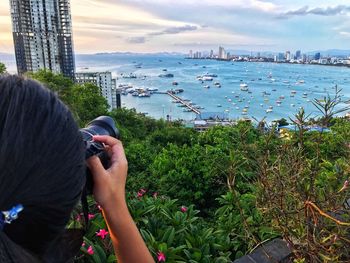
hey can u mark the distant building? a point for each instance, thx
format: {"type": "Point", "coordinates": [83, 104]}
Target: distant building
{"type": "Point", "coordinates": [304, 58]}
{"type": "Point", "coordinates": [42, 34]}
{"type": "Point", "coordinates": [106, 84]}
{"type": "Point", "coordinates": [190, 55]}
{"type": "Point", "coordinates": [317, 56]}
{"type": "Point", "coordinates": [211, 54]}
{"type": "Point", "coordinates": [298, 54]}
{"type": "Point", "coordinates": [222, 53]}
{"type": "Point", "coordinates": [287, 56]}
{"type": "Point", "coordinates": [279, 57]}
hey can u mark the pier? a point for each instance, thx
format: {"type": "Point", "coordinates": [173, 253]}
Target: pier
{"type": "Point", "coordinates": [184, 103]}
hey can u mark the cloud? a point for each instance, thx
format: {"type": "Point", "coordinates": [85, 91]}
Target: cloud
{"type": "Point", "coordinates": [167, 31]}
{"type": "Point", "coordinates": [174, 30]}
{"type": "Point", "coordinates": [136, 40]}
{"type": "Point", "coordinates": [326, 11]}
{"type": "Point", "coordinates": [345, 34]}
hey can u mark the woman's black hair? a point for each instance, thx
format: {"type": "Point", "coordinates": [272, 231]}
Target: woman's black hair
{"type": "Point", "coordinates": [42, 167]}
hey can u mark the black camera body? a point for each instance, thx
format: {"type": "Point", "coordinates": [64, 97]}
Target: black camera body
{"type": "Point", "coordinates": [102, 125]}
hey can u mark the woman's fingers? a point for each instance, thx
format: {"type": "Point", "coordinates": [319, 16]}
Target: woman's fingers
{"type": "Point", "coordinates": [116, 151]}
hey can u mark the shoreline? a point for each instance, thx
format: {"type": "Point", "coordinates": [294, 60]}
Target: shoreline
{"type": "Point", "coordinates": [272, 62]}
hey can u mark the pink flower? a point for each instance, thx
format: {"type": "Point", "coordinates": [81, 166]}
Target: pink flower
{"type": "Point", "coordinates": [155, 194]}
{"type": "Point", "coordinates": [161, 256]}
{"type": "Point", "coordinates": [90, 250]}
{"type": "Point", "coordinates": [91, 216]}
{"type": "Point", "coordinates": [184, 209]}
{"type": "Point", "coordinates": [141, 192]}
{"type": "Point", "coordinates": [102, 233]}
{"type": "Point", "coordinates": [78, 218]}
{"type": "Point", "coordinates": [83, 245]}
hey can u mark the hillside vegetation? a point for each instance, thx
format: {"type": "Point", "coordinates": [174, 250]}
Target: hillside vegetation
{"type": "Point", "coordinates": [217, 195]}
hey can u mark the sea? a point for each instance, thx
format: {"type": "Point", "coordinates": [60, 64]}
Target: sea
{"type": "Point", "coordinates": [275, 91]}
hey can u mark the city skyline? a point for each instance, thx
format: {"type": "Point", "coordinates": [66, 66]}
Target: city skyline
{"type": "Point", "coordinates": [152, 26]}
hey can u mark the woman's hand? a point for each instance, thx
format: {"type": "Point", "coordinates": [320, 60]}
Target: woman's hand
{"type": "Point", "coordinates": [109, 185]}
{"type": "Point", "coordinates": [109, 192]}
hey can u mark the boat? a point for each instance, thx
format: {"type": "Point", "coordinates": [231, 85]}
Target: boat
{"type": "Point", "coordinates": [152, 89]}
{"type": "Point", "coordinates": [207, 78]}
{"type": "Point", "coordinates": [175, 83]}
{"type": "Point", "coordinates": [217, 84]}
{"type": "Point", "coordinates": [135, 93]}
{"type": "Point", "coordinates": [229, 100]}
{"type": "Point", "coordinates": [210, 75]}
{"type": "Point", "coordinates": [293, 92]}
{"type": "Point", "coordinates": [219, 105]}
{"type": "Point", "coordinates": [164, 69]}
{"type": "Point", "coordinates": [130, 76]}
{"type": "Point", "coordinates": [282, 97]}
{"type": "Point", "coordinates": [243, 87]}
{"type": "Point", "coordinates": [269, 110]}
{"type": "Point", "coordinates": [168, 75]}
{"type": "Point", "coordinates": [145, 94]}
{"type": "Point", "coordinates": [293, 105]}
{"type": "Point", "coordinates": [206, 86]}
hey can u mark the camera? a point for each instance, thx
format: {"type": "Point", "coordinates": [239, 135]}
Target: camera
{"type": "Point", "coordinates": [102, 125]}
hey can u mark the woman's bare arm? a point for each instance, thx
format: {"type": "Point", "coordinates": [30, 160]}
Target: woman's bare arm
{"type": "Point", "coordinates": [109, 193]}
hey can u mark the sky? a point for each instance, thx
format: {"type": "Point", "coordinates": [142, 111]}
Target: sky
{"type": "Point", "coordinates": [181, 25]}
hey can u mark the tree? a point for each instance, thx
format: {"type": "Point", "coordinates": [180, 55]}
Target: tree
{"type": "Point", "coordinates": [87, 102]}
{"type": "Point", "coordinates": [55, 82]}
{"type": "Point", "coordinates": [2, 68]}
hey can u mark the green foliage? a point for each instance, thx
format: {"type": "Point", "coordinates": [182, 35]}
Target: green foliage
{"type": "Point", "coordinates": [87, 102]}
{"type": "Point", "coordinates": [2, 68]}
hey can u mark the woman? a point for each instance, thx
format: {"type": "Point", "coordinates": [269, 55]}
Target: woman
{"type": "Point", "coordinates": [42, 168]}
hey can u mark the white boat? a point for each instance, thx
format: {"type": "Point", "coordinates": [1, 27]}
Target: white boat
{"type": "Point", "coordinates": [269, 110]}
{"type": "Point", "coordinates": [243, 86]}
{"type": "Point", "coordinates": [219, 105]}
{"type": "Point", "coordinates": [152, 89]}
{"type": "Point", "coordinates": [142, 95]}
{"type": "Point", "coordinates": [207, 78]}
{"type": "Point", "coordinates": [206, 86]}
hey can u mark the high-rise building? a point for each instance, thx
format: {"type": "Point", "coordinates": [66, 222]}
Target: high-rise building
{"type": "Point", "coordinates": [211, 54]}
{"type": "Point", "coordinates": [222, 53]}
{"type": "Point", "coordinates": [298, 54]}
{"type": "Point", "coordinates": [287, 55]}
{"type": "Point", "coordinates": [106, 84]}
{"type": "Point", "coordinates": [42, 34]}
{"type": "Point", "coordinates": [317, 56]}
